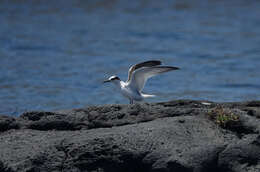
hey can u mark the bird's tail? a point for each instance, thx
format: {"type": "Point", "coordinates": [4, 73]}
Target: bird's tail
{"type": "Point", "coordinates": [147, 95]}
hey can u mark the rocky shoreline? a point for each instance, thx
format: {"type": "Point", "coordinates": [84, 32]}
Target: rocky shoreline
{"type": "Point", "coordinates": [179, 136]}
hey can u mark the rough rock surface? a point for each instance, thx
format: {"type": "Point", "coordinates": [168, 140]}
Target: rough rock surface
{"type": "Point", "coordinates": [176, 136]}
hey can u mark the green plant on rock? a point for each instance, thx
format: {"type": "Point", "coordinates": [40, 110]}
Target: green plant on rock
{"type": "Point", "coordinates": [223, 117]}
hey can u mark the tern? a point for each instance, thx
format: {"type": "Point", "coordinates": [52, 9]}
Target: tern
{"type": "Point", "coordinates": [138, 74]}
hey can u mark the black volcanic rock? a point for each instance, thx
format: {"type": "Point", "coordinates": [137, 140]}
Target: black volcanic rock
{"type": "Point", "coordinates": [178, 136]}
{"type": "Point", "coordinates": [7, 123]}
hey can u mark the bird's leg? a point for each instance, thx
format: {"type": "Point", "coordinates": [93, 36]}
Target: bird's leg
{"type": "Point", "coordinates": [131, 101]}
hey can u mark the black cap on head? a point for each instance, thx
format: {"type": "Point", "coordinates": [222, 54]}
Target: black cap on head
{"type": "Point", "coordinates": [114, 78]}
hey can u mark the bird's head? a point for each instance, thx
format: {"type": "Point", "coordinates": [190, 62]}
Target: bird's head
{"type": "Point", "coordinates": [112, 79]}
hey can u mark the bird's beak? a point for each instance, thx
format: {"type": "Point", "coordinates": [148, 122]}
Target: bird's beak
{"type": "Point", "coordinates": [106, 81]}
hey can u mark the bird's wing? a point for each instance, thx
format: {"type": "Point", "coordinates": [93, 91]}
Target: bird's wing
{"type": "Point", "coordinates": [143, 64]}
{"type": "Point", "coordinates": [141, 75]}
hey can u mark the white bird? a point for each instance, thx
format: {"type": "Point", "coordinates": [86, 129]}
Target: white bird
{"type": "Point", "coordinates": [137, 77]}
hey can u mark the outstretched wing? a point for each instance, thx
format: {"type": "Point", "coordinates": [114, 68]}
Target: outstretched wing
{"type": "Point", "coordinates": [140, 76]}
{"type": "Point", "coordinates": [143, 64]}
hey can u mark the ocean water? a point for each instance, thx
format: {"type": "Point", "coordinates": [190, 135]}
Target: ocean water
{"type": "Point", "coordinates": [55, 54]}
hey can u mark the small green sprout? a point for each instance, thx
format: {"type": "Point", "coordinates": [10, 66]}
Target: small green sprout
{"type": "Point", "coordinates": [223, 117]}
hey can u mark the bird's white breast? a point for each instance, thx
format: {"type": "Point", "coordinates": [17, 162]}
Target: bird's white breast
{"type": "Point", "coordinates": [129, 92]}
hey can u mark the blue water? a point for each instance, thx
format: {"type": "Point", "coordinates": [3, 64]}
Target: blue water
{"type": "Point", "coordinates": [55, 54]}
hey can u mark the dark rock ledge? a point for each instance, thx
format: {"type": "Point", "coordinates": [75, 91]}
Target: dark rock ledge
{"type": "Point", "coordinates": [176, 136]}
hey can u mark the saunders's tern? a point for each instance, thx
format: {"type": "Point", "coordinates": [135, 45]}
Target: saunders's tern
{"type": "Point", "coordinates": [137, 77]}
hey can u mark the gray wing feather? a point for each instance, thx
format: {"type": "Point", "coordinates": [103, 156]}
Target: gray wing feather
{"type": "Point", "coordinates": [140, 65]}
{"type": "Point", "coordinates": [141, 75]}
